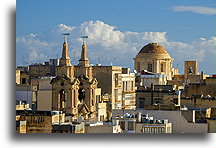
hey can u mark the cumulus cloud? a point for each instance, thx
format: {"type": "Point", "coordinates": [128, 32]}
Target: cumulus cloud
{"type": "Point", "coordinates": [195, 9]}
{"type": "Point", "coordinates": [109, 45]}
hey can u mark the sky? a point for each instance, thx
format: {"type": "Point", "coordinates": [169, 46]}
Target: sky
{"type": "Point", "coordinates": [117, 30]}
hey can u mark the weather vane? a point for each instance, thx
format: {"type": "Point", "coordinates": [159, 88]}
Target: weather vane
{"type": "Point", "coordinates": [83, 38]}
{"type": "Point", "coordinates": [65, 36]}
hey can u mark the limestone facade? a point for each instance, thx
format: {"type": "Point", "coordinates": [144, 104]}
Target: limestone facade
{"type": "Point", "coordinates": [74, 88]}
{"type": "Point", "coordinates": [117, 85]}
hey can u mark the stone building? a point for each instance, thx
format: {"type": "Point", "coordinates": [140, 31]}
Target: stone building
{"type": "Point", "coordinates": [21, 126]}
{"type": "Point", "coordinates": [23, 93]}
{"type": "Point", "coordinates": [179, 122]}
{"type": "Point", "coordinates": [17, 76]}
{"type": "Point", "coordinates": [42, 93]}
{"type": "Point", "coordinates": [157, 95]}
{"type": "Point", "coordinates": [154, 58]}
{"type": "Point", "coordinates": [65, 86]}
{"type": "Point", "coordinates": [128, 100]}
{"type": "Point", "coordinates": [140, 123]}
{"type": "Point", "coordinates": [69, 127]}
{"type": "Point", "coordinates": [205, 88]}
{"type": "Point", "coordinates": [88, 84]}
{"type": "Point", "coordinates": [118, 84]}
{"type": "Point", "coordinates": [146, 79]}
{"type": "Point", "coordinates": [107, 77]}
{"type": "Point", "coordinates": [191, 75]}
{"type": "Point", "coordinates": [22, 75]}
{"type": "Point", "coordinates": [74, 88]}
{"type": "Point", "coordinates": [37, 121]}
{"type": "Point", "coordinates": [39, 70]}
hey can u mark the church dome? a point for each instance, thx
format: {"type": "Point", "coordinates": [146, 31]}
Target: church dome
{"type": "Point", "coordinates": [153, 48]}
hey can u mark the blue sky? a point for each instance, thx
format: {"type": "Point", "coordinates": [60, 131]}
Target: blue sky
{"type": "Point", "coordinates": [183, 21]}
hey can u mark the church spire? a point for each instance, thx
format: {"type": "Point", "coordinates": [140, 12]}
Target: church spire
{"type": "Point", "coordinates": [65, 60]}
{"type": "Point", "coordinates": [84, 61]}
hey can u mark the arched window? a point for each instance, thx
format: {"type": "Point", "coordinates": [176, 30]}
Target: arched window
{"type": "Point", "coordinates": [63, 98]}
{"type": "Point", "coordinates": [162, 66]}
{"type": "Point", "coordinates": [150, 68]}
{"type": "Point", "coordinates": [81, 95]}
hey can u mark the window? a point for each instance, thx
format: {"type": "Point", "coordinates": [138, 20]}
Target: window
{"type": "Point", "coordinates": [23, 80]}
{"type": "Point", "coordinates": [150, 67]}
{"type": "Point", "coordinates": [159, 130]}
{"type": "Point", "coordinates": [126, 86]}
{"type": "Point", "coordinates": [158, 100]}
{"type": "Point", "coordinates": [162, 67]}
{"type": "Point", "coordinates": [145, 130]}
{"type": "Point", "coordinates": [123, 86]}
{"type": "Point", "coordinates": [142, 102]}
{"type": "Point", "coordinates": [93, 97]}
{"type": "Point", "coordinates": [152, 130]}
{"type": "Point", "coordinates": [131, 125]}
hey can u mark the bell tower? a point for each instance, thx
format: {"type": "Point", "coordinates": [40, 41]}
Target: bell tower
{"type": "Point", "coordinates": [84, 61]}
{"type": "Point", "coordinates": [65, 86]}
{"type": "Point", "coordinates": [88, 84]}
{"type": "Point", "coordinates": [65, 60]}
{"type": "Point", "coordinates": [85, 70]}
{"type": "Point", "coordinates": [65, 68]}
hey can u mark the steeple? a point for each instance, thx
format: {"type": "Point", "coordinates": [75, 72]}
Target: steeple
{"type": "Point", "coordinates": [65, 60]}
{"type": "Point", "coordinates": [84, 61]}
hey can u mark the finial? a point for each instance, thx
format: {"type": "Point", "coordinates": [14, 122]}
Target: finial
{"type": "Point", "coordinates": [65, 37]}
{"type": "Point", "coordinates": [83, 38]}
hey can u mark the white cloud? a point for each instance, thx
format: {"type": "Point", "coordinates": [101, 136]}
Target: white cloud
{"type": "Point", "coordinates": [195, 9]}
{"type": "Point", "coordinates": [109, 45]}
{"type": "Point", "coordinates": [202, 39]}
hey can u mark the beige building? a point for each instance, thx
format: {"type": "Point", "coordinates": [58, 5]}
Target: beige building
{"type": "Point", "coordinates": [211, 125]}
{"type": "Point", "coordinates": [74, 88]}
{"type": "Point", "coordinates": [154, 58]}
{"type": "Point", "coordinates": [39, 70]}
{"type": "Point", "coordinates": [179, 122]}
{"type": "Point", "coordinates": [20, 105]}
{"type": "Point", "coordinates": [107, 77]}
{"type": "Point", "coordinates": [102, 111]}
{"type": "Point", "coordinates": [21, 126]}
{"type": "Point", "coordinates": [69, 127]}
{"type": "Point", "coordinates": [160, 95]}
{"type": "Point", "coordinates": [42, 93]}
{"type": "Point", "coordinates": [146, 80]}
{"type": "Point", "coordinates": [117, 84]}
{"type": "Point", "coordinates": [22, 75]}
{"type": "Point", "coordinates": [17, 76]}
{"type": "Point", "coordinates": [39, 121]}
{"type": "Point", "coordinates": [101, 128]}
{"type": "Point", "coordinates": [211, 113]}
{"type": "Point", "coordinates": [199, 102]}
{"type": "Point", "coordinates": [139, 123]}
{"type": "Point", "coordinates": [128, 100]}
{"type": "Point", "coordinates": [151, 125]}
{"type": "Point", "coordinates": [205, 88]}
{"type": "Point", "coordinates": [191, 75]}
{"type": "Point", "coordinates": [24, 78]}
{"type": "Point", "coordinates": [23, 93]}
